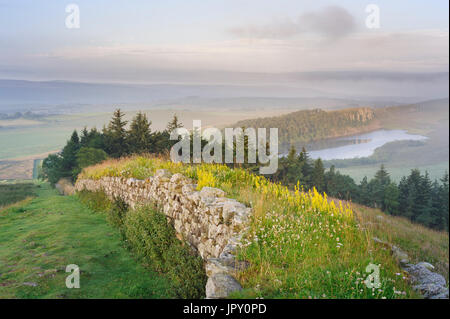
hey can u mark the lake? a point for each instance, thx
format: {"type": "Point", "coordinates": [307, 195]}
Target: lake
{"type": "Point", "coordinates": [362, 145]}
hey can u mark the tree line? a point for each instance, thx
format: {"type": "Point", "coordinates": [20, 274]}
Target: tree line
{"type": "Point", "coordinates": [309, 125]}
{"type": "Point", "coordinates": [113, 141]}
{"type": "Point", "coordinates": [416, 196]}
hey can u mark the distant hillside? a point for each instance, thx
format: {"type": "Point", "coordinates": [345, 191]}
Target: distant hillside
{"type": "Point", "coordinates": [422, 117]}
{"type": "Point", "coordinates": [310, 125]}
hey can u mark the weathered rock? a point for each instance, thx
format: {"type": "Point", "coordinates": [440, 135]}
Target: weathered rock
{"type": "Point", "coordinates": [163, 173]}
{"type": "Point", "coordinates": [400, 255]}
{"type": "Point", "coordinates": [429, 284]}
{"type": "Point", "coordinates": [424, 276]}
{"type": "Point", "coordinates": [188, 189]}
{"type": "Point", "coordinates": [224, 265]}
{"type": "Point", "coordinates": [431, 291]}
{"type": "Point", "coordinates": [230, 209]}
{"type": "Point", "coordinates": [442, 295]}
{"type": "Point", "coordinates": [179, 179]}
{"type": "Point", "coordinates": [426, 265]}
{"type": "Point", "coordinates": [211, 192]}
{"type": "Point", "coordinates": [221, 285]}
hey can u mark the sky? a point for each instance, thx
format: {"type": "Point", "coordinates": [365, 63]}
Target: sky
{"type": "Point", "coordinates": [159, 41]}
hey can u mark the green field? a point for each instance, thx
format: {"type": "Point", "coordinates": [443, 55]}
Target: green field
{"type": "Point", "coordinates": [436, 171]}
{"type": "Point", "coordinates": [11, 193]}
{"type": "Point", "coordinates": [41, 236]}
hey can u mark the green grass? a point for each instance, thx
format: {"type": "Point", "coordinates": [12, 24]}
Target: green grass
{"type": "Point", "coordinates": [13, 193]}
{"type": "Point", "coordinates": [419, 242]}
{"type": "Point", "coordinates": [299, 245]}
{"type": "Point", "coordinates": [41, 237]}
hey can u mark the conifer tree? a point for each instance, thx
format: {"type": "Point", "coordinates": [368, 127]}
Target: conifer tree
{"type": "Point", "coordinates": [390, 201]}
{"type": "Point", "coordinates": [173, 124]}
{"type": "Point", "coordinates": [364, 193]}
{"type": "Point", "coordinates": [115, 135]}
{"type": "Point", "coordinates": [443, 200]}
{"type": "Point", "coordinates": [318, 175]}
{"type": "Point", "coordinates": [69, 155]}
{"type": "Point", "coordinates": [84, 139]}
{"type": "Point", "coordinates": [139, 136]}
{"type": "Point", "coordinates": [306, 168]}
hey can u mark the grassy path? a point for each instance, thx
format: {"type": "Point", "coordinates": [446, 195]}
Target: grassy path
{"type": "Point", "coordinates": [40, 237]}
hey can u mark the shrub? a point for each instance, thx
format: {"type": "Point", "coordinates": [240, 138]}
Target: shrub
{"type": "Point", "coordinates": [117, 212]}
{"type": "Point", "coordinates": [149, 236]}
{"type": "Point", "coordinates": [186, 271]}
{"type": "Point", "coordinates": [88, 156]}
{"type": "Point", "coordinates": [96, 201]}
{"type": "Point", "coordinates": [153, 239]}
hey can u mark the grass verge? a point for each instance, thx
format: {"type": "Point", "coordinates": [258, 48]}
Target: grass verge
{"type": "Point", "coordinates": [41, 237]}
{"type": "Point", "coordinates": [151, 238]}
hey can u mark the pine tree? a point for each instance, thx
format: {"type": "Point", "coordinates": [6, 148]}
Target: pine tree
{"type": "Point", "coordinates": [424, 201]}
{"type": "Point", "coordinates": [413, 208]}
{"type": "Point", "coordinates": [69, 156]}
{"type": "Point", "coordinates": [291, 172]}
{"type": "Point", "coordinates": [436, 209]}
{"type": "Point", "coordinates": [318, 175]}
{"type": "Point", "coordinates": [390, 201]}
{"type": "Point", "coordinates": [378, 186]}
{"type": "Point", "coordinates": [306, 168]}
{"type": "Point", "coordinates": [115, 135]}
{"type": "Point", "coordinates": [364, 194]}
{"type": "Point", "coordinates": [140, 137]}
{"type": "Point", "coordinates": [382, 176]}
{"type": "Point", "coordinates": [173, 124]}
{"type": "Point", "coordinates": [403, 196]}
{"type": "Point", "coordinates": [84, 139]}
{"type": "Point", "coordinates": [443, 201]}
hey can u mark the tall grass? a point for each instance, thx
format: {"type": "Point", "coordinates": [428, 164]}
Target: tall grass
{"type": "Point", "coordinates": [299, 244]}
{"type": "Point", "coordinates": [13, 193]}
{"type": "Point", "coordinates": [419, 242]}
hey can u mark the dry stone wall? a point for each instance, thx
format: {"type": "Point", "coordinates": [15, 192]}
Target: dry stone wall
{"type": "Point", "coordinates": [211, 223]}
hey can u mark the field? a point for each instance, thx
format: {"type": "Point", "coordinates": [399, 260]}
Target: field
{"type": "Point", "coordinates": [11, 193]}
{"type": "Point", "coordinates": [39, 237]}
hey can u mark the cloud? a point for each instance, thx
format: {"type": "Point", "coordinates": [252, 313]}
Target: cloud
{"type": "Point", "coordinates": [330, 22]}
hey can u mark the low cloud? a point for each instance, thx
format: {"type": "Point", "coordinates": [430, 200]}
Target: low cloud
{"type": "Point", "coordinates": [330, 22]}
